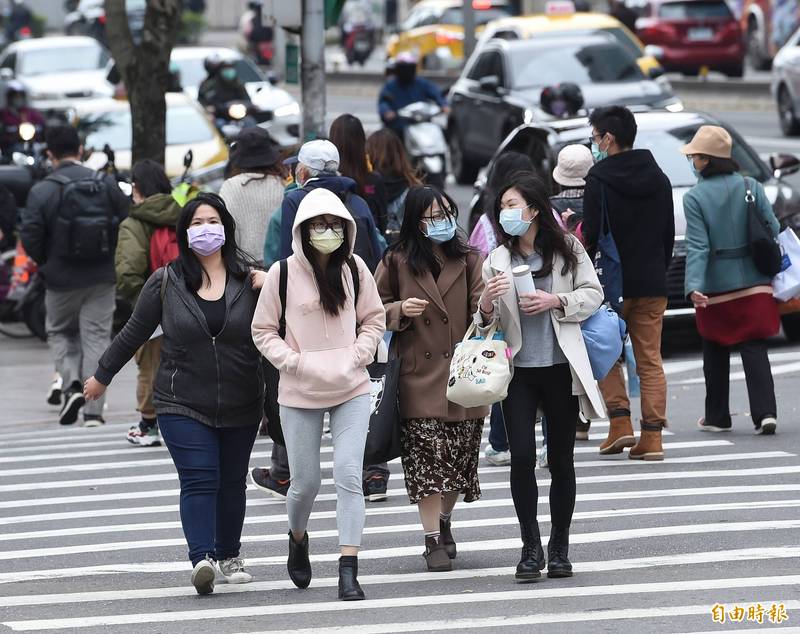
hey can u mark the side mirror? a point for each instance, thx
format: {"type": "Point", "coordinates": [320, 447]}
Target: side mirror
{"type": "Point", "coordinates": [6, 74]}
{"type": "Point", "coordinates": [655, 73]}
{"type": "Point", "coordinates": [187, 159]}
{"type": "Point", "coordinates": [490, 83]}
{"type": "Point", "coordinates": [784, 164]}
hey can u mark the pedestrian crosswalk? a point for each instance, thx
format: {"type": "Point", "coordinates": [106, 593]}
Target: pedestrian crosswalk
{"type": "Point", "coordinates": [91, 541]}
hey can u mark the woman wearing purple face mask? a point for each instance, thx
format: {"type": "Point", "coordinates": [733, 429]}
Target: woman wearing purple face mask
{"type": "Point", "coordinates": [208, 391]}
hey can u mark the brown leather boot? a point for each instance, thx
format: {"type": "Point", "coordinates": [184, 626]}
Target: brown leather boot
{"type": "Point", "coordinates": [620, 435]}
{"type": "Point", "coordinates": [649, 445]}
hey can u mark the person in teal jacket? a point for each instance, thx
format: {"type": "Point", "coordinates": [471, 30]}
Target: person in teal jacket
{"type": "Point", "coordinates": [718, 261]}
{"type": "Point", "coordinates": [272, 243]}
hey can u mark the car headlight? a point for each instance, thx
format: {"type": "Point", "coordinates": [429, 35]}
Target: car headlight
{"type": "Point", "coordinates": [528, 116]}
{"type": "Point", "coordinates": [288, 110]}
{"type": "Point", "coordinates": [44, 96]}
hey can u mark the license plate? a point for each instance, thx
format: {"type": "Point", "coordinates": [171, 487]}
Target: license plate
{"type": "Point", "coordinates": [701, 34]}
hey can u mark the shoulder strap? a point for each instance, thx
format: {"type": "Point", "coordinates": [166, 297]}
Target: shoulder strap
{"type": "Point", "coordinates": [61, 179]}
{"type": "Point", "coordinates": [282, 286]}
{"type": "Point", "coordinates": [351, 262]}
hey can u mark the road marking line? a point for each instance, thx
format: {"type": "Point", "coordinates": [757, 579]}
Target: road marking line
{"type": "Point", "coordinates": [137, 464]}
{"type": "Point", "coordinates": [719, 556]}
{"type": "Point", "coordinates": [404, 510]}
{"type": "Point", "coordinates": [157, 567]}
{"type": "Point", "coordinates": [538, 593]}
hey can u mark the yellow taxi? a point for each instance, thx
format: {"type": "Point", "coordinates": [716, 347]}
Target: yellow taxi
{"type": "Point", "coordinates": [434, 31]}
{"type": "Point", "coordinates": [560, 18]}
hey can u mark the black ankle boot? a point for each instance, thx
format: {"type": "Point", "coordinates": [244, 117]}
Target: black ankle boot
{"type": "Point", "coordinates": [532, 561]}
{"type": "Point", "coordinates": [298, 564]}
{"type": "Point", "coordinates": [558, 564]}
{"type": "Point", "coordinates": [446, 538]}
{"type": "Point", "coordinates": [349, 589]}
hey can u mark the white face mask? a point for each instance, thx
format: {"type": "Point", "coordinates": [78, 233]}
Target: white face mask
{"type": "Point", "coordinates": [326, 242]}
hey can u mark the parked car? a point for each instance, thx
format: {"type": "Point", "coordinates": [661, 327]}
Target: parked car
{"type": "Point", "coordinates": [108, 121]}
{"type": "Point", "coordinates": [687, 35]}
{"type": "Point", "coordinates": [89, 18]}
{"type": "Point", "coordinates": [557, 22]}
{"type": "Point", "coordinates": [57, 70]}
{"type": "Point", "coordinates": [663, 133]}
{"type": "Point", "coordinates": [501, 88]}
{"type": "Point", "coordinates": [276, 110]}
{"type": "Point", "coordinates": [767, 25]}
{"type": "Point", "coordinates": [434, 31]}
{"type": "Point", "coordinates": [786, 85]}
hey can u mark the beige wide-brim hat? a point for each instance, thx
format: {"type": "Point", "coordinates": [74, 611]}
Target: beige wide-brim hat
{"type": "Point", "coordinates": [574, 162]}
{"type": "Point", "coordinates": [710, 140]}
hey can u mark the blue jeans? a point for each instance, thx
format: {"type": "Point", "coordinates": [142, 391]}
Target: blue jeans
{"type": "Point", "coordinates": [212, 465]}
{"type": "Point", "coordinates": [497, 429]}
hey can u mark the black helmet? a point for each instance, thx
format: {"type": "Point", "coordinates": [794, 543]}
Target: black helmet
{"type": "Point", "coordinates": [562, 100]}
{"type": "Point", "coordinates": [14, 87]}
{"type": "Point", "coordinates": [212, 63]}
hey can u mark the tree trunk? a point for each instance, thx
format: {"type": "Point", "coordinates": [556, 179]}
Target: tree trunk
{"type": "Point", "coordinates": [145, 70]}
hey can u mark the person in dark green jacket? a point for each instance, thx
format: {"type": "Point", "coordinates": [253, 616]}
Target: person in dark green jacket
{"type": "Point", "coordinates": [154, 207]}
{"type": "Point", "coordinates": [718, 261]}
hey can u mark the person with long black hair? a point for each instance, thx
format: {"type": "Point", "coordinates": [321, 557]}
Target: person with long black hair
{"type": "Point", "coordinates": [550, 364]}
{"type": "Point", "coordinates": [430, 283]}
{"type": "Point", "coordinates": [208, 392]}
{"type": "Point", "coordinates": [334, 321]}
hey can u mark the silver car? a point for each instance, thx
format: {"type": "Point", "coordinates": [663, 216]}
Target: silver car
{"type": "Point", "coordinates": [786, 85]}
{"type": "Point", "coordinates": [57, 70]}
{"type": "Point", "coordinates": [278, 112]}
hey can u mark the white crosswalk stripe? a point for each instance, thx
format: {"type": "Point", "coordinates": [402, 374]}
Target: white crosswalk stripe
{"type": "Point", "coordinates": [92, 541]}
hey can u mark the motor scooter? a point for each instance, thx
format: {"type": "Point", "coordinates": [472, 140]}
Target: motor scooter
{"type": "Point", "coordinates": [425, 141]}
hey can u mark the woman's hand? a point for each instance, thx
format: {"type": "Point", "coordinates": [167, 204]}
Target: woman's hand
{"type": "Point", "coordinates": [565, 216]}
{"type": "Point", "coordinates": [495, 287]}
{"type": "Point", "coordinates": [257, 278]}
{"type": "Point", "coordinates": [93, 389]}
{"type": "Point", "coordinates": [698, 299]}
{"type": "Point", "coordinates": [413, 307]}
{"type": "Point", "coordinates": [538, 302]}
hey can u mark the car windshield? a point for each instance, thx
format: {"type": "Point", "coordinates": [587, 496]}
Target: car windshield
{"type": "Point", "coordinates": [617, 33]}
{"type": "Point", "coordinates": [62, 60]}
{"type": "Point", "coordinates": [193, 72]}
{"type": "Point", "coordinates": [604, 62]}
{"type": "Point", "coordinates": [482, 16]}
{"type": "Point", "coordinates": [694, 10]}
{"type": "Point", "coordinates": [185, 125]}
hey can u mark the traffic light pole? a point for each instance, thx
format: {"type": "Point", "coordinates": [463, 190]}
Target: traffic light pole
{"type": "Point", "coordinates": [312, 69]}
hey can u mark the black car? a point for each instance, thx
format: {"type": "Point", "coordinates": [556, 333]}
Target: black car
{"type": "Point", "coordinates": [663, 133]}
{"type": "Point", "coordinates": [501, 86]}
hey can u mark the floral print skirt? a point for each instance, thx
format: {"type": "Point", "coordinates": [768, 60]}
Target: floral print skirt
{"type": "Point", "coordinates": [439, 457]}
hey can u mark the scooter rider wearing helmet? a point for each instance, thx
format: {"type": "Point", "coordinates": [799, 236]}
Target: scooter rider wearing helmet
{"type": "Point", "coordinates": [406, 88]}
{"type": "Point", "coordinates": [16, 112]}
{"type": "Point", "coordinates": [221, 86]}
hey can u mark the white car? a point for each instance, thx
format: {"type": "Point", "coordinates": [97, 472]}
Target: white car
{"type": "Point", "coordinates": [786, 85]}
{"type": "Point", "coordinates": [56, 71]}
{"type": "Point", "coordinates": [279, 112]}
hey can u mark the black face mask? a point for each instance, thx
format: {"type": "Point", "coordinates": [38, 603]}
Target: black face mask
{"type": "Point", "coordinates": [406, 73]}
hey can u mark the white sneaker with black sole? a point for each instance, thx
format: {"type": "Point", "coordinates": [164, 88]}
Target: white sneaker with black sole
{"type": "Point", "coordinates": [767, 427]}
{"type": "Point", "coordinates": [233, 570]}
{"type": "Point", "coordinates": [73, 402]}
{"type": "Point", "coordinates": [54, 393]}
{"type": "Point", "coordinates": [203, 576]}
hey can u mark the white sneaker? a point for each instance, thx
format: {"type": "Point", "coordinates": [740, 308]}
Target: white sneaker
{"type": "Point", "coordinates": [497, 458]}
{"type": "Point", "coordinates": [767, 427]}
{"type": "Point", "coordinates": [541, 461]}
{"type": "Point", "coordinates": [233, 570]}
{"type": "Point", "coordinates": [203, 576]}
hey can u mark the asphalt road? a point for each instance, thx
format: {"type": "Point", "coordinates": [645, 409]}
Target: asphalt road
{"type": "Point", "coordinates": [92, 539]}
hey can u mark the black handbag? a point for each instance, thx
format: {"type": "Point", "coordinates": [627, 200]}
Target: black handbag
{"type": "Point", "coordinates": [764, 247]}
{"type": "Point", "coordinates": [383, 437]}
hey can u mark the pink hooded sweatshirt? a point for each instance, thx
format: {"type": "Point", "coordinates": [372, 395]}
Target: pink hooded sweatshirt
{"type": "Point", "coordinates": [322, 361]}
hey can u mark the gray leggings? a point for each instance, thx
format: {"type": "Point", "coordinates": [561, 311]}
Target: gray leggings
{"type": "Point", "coordinates": [302, 429]}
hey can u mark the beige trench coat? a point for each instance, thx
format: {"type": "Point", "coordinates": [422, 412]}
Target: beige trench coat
{"type": "Point", "coordinates": [581, 295]}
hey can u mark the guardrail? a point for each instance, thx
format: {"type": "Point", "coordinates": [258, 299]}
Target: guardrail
{"type": "Point", "coordinates": [728, 87]}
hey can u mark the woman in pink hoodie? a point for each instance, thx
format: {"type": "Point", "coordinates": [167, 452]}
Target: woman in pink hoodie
{"type": "Point", "coordinates": [332, 330]}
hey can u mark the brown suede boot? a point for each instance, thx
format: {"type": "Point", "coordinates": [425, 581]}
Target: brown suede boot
{"type": "Point", "coordinates": [620, 435]}
{"type": "Point", "coordinates": [649, 445]}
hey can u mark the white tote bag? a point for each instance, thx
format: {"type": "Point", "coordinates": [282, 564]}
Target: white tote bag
{"type": "Point", "coordinates": [479, 371]}
{"type": "Point", "coordinates": [786, 284]}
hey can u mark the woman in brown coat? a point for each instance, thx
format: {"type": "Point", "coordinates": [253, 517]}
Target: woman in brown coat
{"type": "Point", "coordinates": [430, 283]}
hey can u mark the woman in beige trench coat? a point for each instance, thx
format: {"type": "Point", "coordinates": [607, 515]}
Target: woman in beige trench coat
{"type": "Point", "coordinates": [550, 364]}
{"type": "Point", "coordinates": [430, 283]}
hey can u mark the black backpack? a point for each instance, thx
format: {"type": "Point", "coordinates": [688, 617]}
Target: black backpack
{"type": "Point", "coordinates": [764, 247]}
{"type": "Point", "coordinates": [271, 373]}
{"type": "Point", "coordinates": [85, 223]}
{"type": "Point", "coordinates": [363, 246]}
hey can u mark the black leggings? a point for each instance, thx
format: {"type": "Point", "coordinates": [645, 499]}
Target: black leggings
{"type": "Point", "coordinates": [550, 388]}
